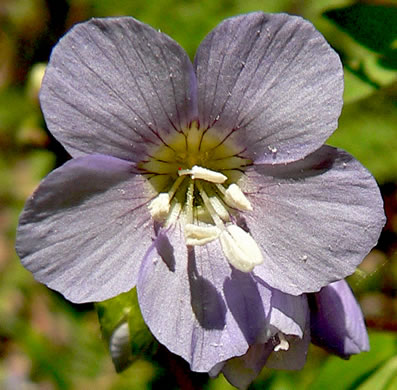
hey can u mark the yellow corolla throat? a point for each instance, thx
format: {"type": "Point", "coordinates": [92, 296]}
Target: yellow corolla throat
{"type": "Point", "coordinates": [196, 175]}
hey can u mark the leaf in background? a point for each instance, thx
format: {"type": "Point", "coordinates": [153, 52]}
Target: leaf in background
{"type": "Point", "coordinates": [382, 377]}
{"type": "Point", "coordinates": [355, 88]}
{"type": "Point", "coordinates": [374, 26]}
{"type": "Point", "coordinates": [367, 130]}
{"type": "Point", "coordinates": [121, 323]}
{"type": "Point", "coordinates": [345, 375]}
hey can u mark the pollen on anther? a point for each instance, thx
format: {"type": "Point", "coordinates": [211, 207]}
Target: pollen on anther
{"type": "Point", "coordinates": [159, 207]}
{"type": "Point", "coordinates": [198, 172]}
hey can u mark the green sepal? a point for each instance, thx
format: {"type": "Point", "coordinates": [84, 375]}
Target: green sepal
{"type": "Point", "coordinates": [124, 309]}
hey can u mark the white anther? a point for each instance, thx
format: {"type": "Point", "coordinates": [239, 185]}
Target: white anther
{"type": "Point", "coordinates": [240, 248]}
{"type": "Point", "coordinates": [234, 197]}
{"type": "Point", "coordinates": [200, 235]}
{"type": "Point", "coordinates": [203, 173]}
{"type": "Point", "coordinates": [283, 344]}
{"type": "Point", "coordinates": [159, 207]}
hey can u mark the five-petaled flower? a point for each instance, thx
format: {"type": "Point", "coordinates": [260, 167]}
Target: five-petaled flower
{"type": "Point", "coordinates": [205, 185]}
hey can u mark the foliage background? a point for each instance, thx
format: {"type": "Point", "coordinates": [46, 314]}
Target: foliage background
{"type": "Point", "coordinates": [48, 343]}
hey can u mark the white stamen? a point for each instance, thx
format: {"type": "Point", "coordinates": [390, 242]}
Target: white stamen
{"type": "Point", "coordinates": [234, 197]}
{"type": "Point", "coordinates": [240, 248]}
{"type": "Point", "coordinates": [215, 217]}
{"type": "Point", "coordinates": [219, 208]}
{"type": "Point", "coordinates": [189, 203]}
{"type": "Point", "coordinates": [283, 345]}
{"type": "Point", "coordinates": [200, 235]}
{"type": "Point", "coordinates": [174, 214]}
{"type": "Point", "coordinates": [203, 173]}
{"type": "Point", "coordinates": [160, 206]}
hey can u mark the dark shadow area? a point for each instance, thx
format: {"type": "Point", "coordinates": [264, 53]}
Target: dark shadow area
{"type": "Point", "coordinates": [174, 373]}
{"type": "Point", "coordinates": [245, 303]}
{"type": "Point", "coordinates": [372, 25]}
{"type": "Point", "coordinates": [327, 321]}
{"type": "Point", "coordinates": [207, 303]}
{"type": "Point", "coordinates": [314, 164]}
{"type": "Point", "coordinates": [165, 251]}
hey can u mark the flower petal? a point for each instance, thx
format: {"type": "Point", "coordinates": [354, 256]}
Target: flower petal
{"type": "Point", "coordinates": [115, 86]}
{"type": "Point", "coordinates": [289, 313]}
{"type": "Point", "coordinates": [270, 82]}
{"type": "Point", "coordinates": [195, 304]}
{"type": "Point", "coordinates": [86, 229]}
{"type": "Point", "coordinates": [337, 322]}
{"type": "Point", "coordinates": [314, 220]}
{"type": "Point", "coordinates": [242, 371]}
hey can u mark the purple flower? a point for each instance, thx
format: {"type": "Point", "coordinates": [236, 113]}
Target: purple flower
{"type": "Point", "coordinates": [205, 185]}
{"type": "Point", "coordinates": [333, 320]}
{"type": "Point", "coordinates": [336, 321]}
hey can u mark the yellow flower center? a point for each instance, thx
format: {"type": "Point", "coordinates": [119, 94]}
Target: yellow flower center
{"type": "Point", "coordinates": [195, 174]}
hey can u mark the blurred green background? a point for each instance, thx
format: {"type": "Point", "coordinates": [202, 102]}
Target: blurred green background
{"type": "Point", "coordinates": [46, 342]}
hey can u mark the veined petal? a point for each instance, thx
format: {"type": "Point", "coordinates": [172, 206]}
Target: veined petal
{"type": "Point", "coordinates": [116, 86]}
{"type": "Point", "coordinates": [270, 82]}
{"type": "Point", "coordinates": [337, 323]}
{"type": "Point", "coordinates": [314, 220]}
{"type": "Point", "coordinates": [195, 304]}
{"type": "Point", "coordinates": [86, 229]}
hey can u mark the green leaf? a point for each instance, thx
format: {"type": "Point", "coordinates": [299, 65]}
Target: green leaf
{"type": "Point", "coordinates": [345, 375]}
{"type": "Point", "coordinates": [373, 26]}
{"type": "Point", "coordinates": [367, 130]}
{"type": "Point", "coordinates": [119, 312]}
{"type": "Point", "coordinates": [382, 377]}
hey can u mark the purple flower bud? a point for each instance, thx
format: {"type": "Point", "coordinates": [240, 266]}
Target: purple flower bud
{"type": "Point", "coordinates": [336, 322]}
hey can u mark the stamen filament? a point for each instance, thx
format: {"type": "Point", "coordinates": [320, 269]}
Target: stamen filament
{"type": "Point", "coordinates": [189, 202]}
{"type": "Point", "coordinates": [221, 189]}
{"type": "Point", "coordinates": [217, 220]}
{"type": "Point", "coordinates": [175, 186]}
